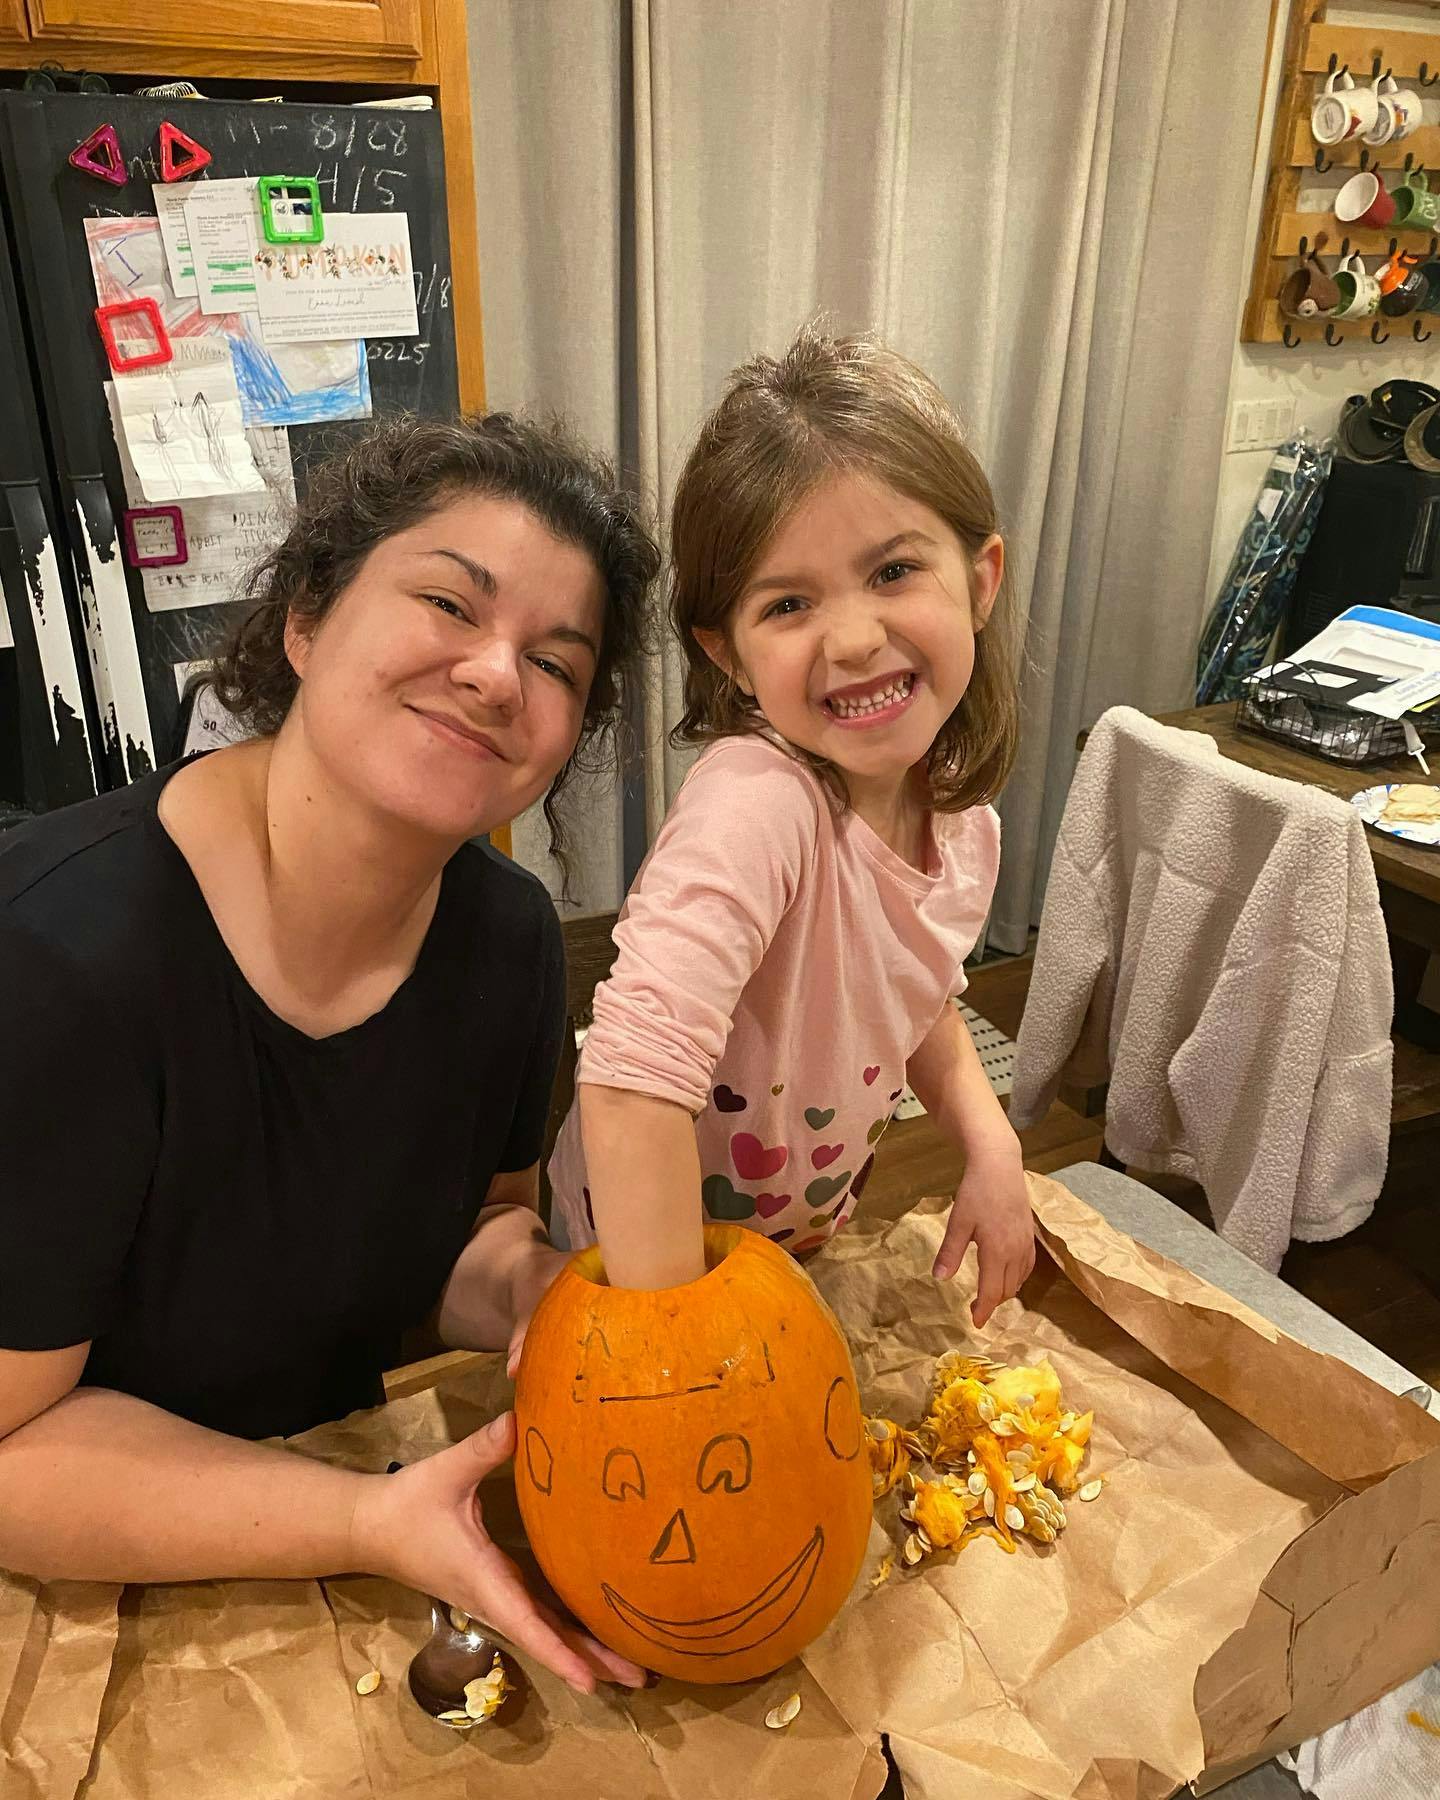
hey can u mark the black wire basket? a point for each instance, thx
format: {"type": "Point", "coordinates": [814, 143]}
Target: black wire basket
{"type": "Point", "coordinates": [1312, 722]}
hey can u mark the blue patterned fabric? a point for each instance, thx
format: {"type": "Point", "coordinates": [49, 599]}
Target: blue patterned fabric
{"type": "Point", "coordinates": [1252, 598]}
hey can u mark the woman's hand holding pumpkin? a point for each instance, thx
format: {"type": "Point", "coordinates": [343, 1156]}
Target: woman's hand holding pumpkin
{"type": "Point", "coordinates": [423, 1526]}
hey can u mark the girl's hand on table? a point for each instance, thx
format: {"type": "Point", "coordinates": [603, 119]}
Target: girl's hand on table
{"type": "Point", "coordinates": [991, 1210]}
{"type": "Point", "coordinates": [423, 1526]}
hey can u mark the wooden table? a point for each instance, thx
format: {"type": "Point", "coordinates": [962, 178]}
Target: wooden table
{"type": "Point", "coordinates": [1406, 867]}
{"type": "Point", "coordinates": [1409, 880]}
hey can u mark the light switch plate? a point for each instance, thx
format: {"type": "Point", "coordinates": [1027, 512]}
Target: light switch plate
{"type": "Point", "coordinates": [1261, 424]}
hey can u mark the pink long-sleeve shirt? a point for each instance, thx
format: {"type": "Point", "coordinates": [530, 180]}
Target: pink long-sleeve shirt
{"type": "Point", "coordinates": [778, 966]}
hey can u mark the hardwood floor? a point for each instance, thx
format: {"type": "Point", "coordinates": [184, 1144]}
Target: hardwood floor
{"type": "Point", "coordinates": [1383, 1280]}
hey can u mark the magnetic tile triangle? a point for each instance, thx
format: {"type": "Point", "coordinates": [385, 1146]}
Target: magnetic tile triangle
{"type": "Point", "coordinates": [171, 138]}
{"type": "Point", "coordinates": [101, 143]}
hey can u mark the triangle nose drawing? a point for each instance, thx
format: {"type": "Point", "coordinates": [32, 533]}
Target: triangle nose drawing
{"type": "Point", "coordinates": [675, 1544]}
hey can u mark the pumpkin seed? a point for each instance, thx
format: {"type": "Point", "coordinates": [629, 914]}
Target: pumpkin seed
{"type": "Point", "coordinates": [1066, 1422]}
{"type": "Point", "coordinates": [1014, 1518]}
{"type": "Point", "coordinates": [368, 1682]}
{"type": "Point", "coordinates": [1005, 1426]}
{"type": "Point", "coordinates": [780, 1716]}
{"type": "Point", "coordinates": [978, 1482]}
{"type": "Point", "coordinates": [970, 1456]}
{"type": "Point", "coordinates": [912, 1552]}
{"type": "Point", "coordinates": [1024, 1484]}
{"type": "Point", "coordinates": [990, 1503]}
{"type": "Point", "coordinates": [457, 1721]}
{"type": "Point", "coordinates": [923, 1538]}
{"type": "Point", "coordinates": [1091, 1490]}
{"type": "Point", "coordinates": [485, 1695]}
{"type": "Point", "coordinates": [1024, 1400]}
{"type": "Point", "coordinates": [985, 1406]}
{"type": "Point", "coordinates": [460, 1620]}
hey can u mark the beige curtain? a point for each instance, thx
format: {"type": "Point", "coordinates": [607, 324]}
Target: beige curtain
{"type": "Point", "coordinates": [1041, 201]}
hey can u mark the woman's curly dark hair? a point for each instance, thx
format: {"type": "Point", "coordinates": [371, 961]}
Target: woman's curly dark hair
{"type": "Point", "coordinates": [395, 475]}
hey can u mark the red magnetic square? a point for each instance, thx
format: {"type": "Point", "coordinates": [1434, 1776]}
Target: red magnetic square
{"type": "Point", "coordinates": [132, 549]}
{"type": "Point", "coordinates": [144, 308]}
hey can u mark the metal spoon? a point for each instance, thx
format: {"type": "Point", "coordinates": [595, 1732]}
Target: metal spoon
{"type": "Point", "coordinates": [441, 1667]}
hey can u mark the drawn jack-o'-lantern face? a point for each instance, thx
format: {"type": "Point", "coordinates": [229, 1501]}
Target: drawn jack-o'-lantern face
{"type": "Point", "coordinates": [690, 1467]}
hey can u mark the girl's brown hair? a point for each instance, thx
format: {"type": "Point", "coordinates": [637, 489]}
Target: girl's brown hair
{"type": "Point", "coordinates": [397, 474]}
{"type": "Point", "coordinates": [833, 405]}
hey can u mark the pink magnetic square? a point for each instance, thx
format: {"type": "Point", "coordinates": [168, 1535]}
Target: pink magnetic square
{"type": "Point", "coordinates": [133, 553]}
{"type": "Point", "coordinates": [143, 308]}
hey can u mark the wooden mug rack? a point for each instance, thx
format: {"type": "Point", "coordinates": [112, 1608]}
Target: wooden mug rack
{"type": "Point", "coordinates": [1314, 50]}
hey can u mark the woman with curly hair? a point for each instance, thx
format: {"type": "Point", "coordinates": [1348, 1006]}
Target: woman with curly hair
{"type": "Point", "coordinates": [278, 1040]}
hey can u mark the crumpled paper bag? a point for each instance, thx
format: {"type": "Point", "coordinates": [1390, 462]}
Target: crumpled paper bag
{"type": "Point", "coordinates": [1143, 1646]}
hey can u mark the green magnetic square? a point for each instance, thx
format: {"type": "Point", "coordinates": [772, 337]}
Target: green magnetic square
{"type": "Point", "coordinates": [275, 231]}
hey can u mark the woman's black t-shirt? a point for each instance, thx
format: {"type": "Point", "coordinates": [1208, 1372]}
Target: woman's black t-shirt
{"type": "Point", "coordinates": [243, 1219]}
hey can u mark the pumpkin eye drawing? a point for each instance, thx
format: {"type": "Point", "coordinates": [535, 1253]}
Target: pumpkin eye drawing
{"type": "Point", "coordinates": [725, 1462]}
{"type": "Point", "coordinates": [623, 1475]}
{"type": "Point", "coordinates": [539, 1460]}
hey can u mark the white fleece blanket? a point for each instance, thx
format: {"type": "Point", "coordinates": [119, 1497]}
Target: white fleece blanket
{"type": "Point", "coordinates": [1212, 942]}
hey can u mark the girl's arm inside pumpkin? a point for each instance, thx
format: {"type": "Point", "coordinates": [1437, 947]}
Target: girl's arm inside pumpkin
{"type": "Point", "coordinates": [644, 1175]}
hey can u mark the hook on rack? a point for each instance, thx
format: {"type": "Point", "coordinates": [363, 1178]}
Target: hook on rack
{"type": "Point", "coordinates": [1330, 68]}
{"type": "Point", "coordinates": [1375, 74]}
{"type": "Point", "coordinates": [1330, 338]}
{"type": "Point", "coordinates": [1425, 78]}
{"type": "Point", "coordinates": [1377, 336]}
{"type": "Point", "coordinates": [1290, 343]}
{"type": "Point", "coordinates": [1365, 160]}
{"type": "Point", "coordinates": [1323, 163]}
{"type": "Point", "coordinates": [1394, 246]}
{"type": "Point", "coordinates": [1420, 336]}
{"type": "Point", "coordinates": [1304, 249]}
{"type": "Point", "coordinates": [1344, 248]}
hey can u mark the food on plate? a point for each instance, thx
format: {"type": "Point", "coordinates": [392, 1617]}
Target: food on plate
{"type": "Point", "coordinates": [1410, 803]}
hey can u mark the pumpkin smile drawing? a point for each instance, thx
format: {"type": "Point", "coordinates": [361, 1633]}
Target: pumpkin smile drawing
{"type": "Point", "coordinates": [691, 1472]}
{"type": "Point", "coordinates": [744, 1627]}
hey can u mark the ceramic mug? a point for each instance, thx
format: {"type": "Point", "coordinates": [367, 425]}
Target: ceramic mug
{"type": "Point", "coordinates": [1387, 115]}
{"type": "Point", "coordinates": [1365, 200]}
{"type": "Point", "coordinates": [1416, 208]}
{"type": "Point", "coordinates": [1359, 291]}
{"type": "Point", "coordinates": [1309, 292]}
{"type": "Point", "coordinates": [1430, 300]}
{"type": "Point", "coordinates": [1404, 104]}
{"type": "Point", "coordinates": [1402, 287]}
{"type": "Point", "coordinates": [1342, 112]}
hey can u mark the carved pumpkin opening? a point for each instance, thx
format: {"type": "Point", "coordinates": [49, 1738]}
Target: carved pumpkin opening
{"type": "Point", "coordinates": [720, 1241]}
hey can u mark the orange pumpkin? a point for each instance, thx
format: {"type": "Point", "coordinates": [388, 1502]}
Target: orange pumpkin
{"type": "Point", "coordinates": [691, 1466]}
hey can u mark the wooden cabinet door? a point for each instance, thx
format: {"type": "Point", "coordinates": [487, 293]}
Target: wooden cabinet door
{"type": "Point", "coordinates": [13, 23]}
{"type": "Point", "coordinates": [387, 30]}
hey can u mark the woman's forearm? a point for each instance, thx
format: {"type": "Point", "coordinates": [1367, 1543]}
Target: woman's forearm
{"type": "Point", "coordinates": [104, 1487]}
{"type": "Point", "coordinates": [643, 1169]}
{"type": "Point", "coordinates": [479, 1305]}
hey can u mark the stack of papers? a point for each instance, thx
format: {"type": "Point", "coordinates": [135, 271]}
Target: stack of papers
{"type": "Point", "coordinates": [1371, 659]}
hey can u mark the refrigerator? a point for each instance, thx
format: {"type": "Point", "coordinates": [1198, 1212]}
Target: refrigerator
{"type": "Point", "coordinates": [99, 655]}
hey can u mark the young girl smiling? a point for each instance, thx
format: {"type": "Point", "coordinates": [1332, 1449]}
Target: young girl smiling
{"type": "Point", "coordinates": [789, 953]}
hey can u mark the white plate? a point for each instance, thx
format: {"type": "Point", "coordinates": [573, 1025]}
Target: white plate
{"type": "Point", "coordinates": [1371, 803]}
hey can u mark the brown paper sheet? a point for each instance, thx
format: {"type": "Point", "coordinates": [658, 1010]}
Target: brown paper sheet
{"type": "Point", "coordinates": [1244, 1575]}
